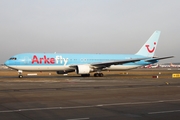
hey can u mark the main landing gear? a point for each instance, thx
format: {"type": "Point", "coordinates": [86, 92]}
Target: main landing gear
{"type": "Point", "coordinates": [95, 75]}
{"type": "Point", "coordinates": [20, 73]}
{"type": "Point", "coordinates": [98, 74]}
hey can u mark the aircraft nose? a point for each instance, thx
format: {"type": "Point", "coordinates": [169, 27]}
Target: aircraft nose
{"type": "Point", "coordinates": [7, 63]}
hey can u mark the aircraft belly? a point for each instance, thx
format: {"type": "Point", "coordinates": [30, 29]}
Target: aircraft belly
{"type": "Point", "coordinates": [121, 67]}
{"type": "Point", "coordinates": [40, 68]}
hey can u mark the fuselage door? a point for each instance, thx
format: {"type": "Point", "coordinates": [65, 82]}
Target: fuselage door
{"type": "Point", "coordinates": [26, 60]}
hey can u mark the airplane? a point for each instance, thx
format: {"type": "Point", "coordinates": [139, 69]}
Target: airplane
{"type": "Point", "coordinates": [151, 66]}
{"type": "Point", "coordinates": [172, 65]}
{"type": "Point", "coordinates": [169, 65]}
{"type": "Point", "coordinates": [84, 64]}
{"type": "Point", "coordinates": [164, 66]}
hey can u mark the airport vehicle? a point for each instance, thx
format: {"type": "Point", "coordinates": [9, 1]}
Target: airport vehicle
{"type": "Point", "coordinates": [84, 64]}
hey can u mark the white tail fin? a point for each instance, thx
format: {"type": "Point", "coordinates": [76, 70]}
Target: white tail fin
{"type": "Point", "coordinates": [149, 48]}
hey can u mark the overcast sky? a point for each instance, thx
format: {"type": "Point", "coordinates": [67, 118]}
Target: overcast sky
{"type": "Point", "coordinates": [88, 26]}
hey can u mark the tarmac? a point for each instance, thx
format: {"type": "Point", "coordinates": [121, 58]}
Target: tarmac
{"type": "Point", "coordinates": [129, 95]}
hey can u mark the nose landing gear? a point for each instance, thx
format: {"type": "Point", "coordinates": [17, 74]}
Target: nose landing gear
{"type": "Point", "coordinates": [20, 73]}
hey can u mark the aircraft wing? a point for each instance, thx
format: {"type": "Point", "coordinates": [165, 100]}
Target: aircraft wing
{"type": "Point", "coordinates": [158, 58]}
{"type": "Point", "coordinates": [107, 64]}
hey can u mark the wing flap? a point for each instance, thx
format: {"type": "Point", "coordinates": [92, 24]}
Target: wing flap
{"type": "Point", "coordinates": [107, 64]}
{"type": "Point", "coordinates": [159, 58]}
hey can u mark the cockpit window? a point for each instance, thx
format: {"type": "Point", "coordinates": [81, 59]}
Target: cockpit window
{"type": "Point", "coordinates": [13, 58]}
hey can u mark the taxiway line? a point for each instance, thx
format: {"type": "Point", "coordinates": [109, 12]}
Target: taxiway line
{"type": "Point", "coordinates": [79, 119]}
{"type": "Point", "coordinates": [99, 105]}
{"type": "Point", "coordinates": [162, 112]}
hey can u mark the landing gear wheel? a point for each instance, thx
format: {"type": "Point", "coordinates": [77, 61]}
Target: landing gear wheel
{"type": "Point", "coordinates": [101, 75]}
{"type": "Point", "coordinates": [20, 76]}
{"type": "Point", "coordinates": [98, 75]}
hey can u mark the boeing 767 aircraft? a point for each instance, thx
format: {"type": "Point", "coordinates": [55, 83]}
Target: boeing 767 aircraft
{"type": "Point", "coordinates": [84, 64]}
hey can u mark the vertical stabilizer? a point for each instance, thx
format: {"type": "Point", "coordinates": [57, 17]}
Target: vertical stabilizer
{"type": "Point", "coordinates": [149, 48]}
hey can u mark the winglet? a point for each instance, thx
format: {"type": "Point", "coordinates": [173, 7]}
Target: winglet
{"type": "Point", "coordinates": [149, 48]}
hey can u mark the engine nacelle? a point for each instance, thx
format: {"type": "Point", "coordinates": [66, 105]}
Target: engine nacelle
{"type": "Point", "coordinates": [83, 69]}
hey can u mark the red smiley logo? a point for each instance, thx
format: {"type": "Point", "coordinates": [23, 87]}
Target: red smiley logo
{"type": "Point", "coordinates": [152, 50]}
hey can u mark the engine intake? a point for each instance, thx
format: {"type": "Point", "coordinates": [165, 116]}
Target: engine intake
{"type": "Point", "coordinates": [83, 69]}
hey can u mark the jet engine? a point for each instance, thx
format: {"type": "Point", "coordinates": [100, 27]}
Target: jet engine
{"type": "Point", "coordinates": [83, 69]}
